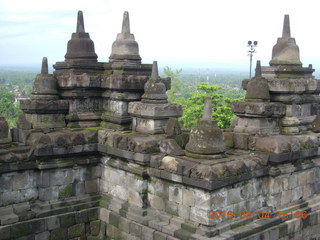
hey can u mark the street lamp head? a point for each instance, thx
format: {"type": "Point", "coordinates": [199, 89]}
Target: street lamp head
{"type": "Point", "coordinates": [255, 43]}
{"type": "Point", "coordinates": [249, 42]}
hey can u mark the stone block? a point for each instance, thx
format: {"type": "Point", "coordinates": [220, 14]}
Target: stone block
{"type": "Point", "coordinates": [169, 164]}
{"type": "Point", "coordinates": [42, 236]}
{"type": "Point", "coordinates": [76, 230]}
{"type": "Point", "coordinates": [93, 214]}
{"type": "Point", "coordinates": [124, 225]}
{"type": "Point", "coordinates": [188, 197]}
{"type": "Point", "coordinates": [175, 194]}
{"type": "Point", "coordinates": [135, 198]}
{"type": "Point", "coordinates": [173, 127]}
{"type": "Point", "coordinates": [155, 111]}
{"type": "Point", "coordinates": [58, 234]}
{"type": "Point", "coordinates": [201, 216]}
{"type": "Point", "coordinates": [147, 233]}
{"type": "Point", "coordinates": [50, 193]}
{"type": "Point", "coordinates": [219, 199]}
{"type": "Point", "coordinates": [104, 214]}
{"type": "Point", "coordinates": [95, 227]}
{"type": "Point", "coordinates": [159, 236]}
{"type": "Point", "coordinates": [67, 220]}
{"type": "Point", "coordinates": [184, 211]}
{"type": "Point", "coordinates": [259, 109]}
{"type": "Point", "coordinates": [171, 207]}
{"type": "Point", "coordinates": [21, 207]}
{"type": "Point", "coordinates": [52, 223]}
{"type": "Point", "coordinates": [22, 181]}
{"type": "Point", "coordinates": [150, 126]}
{"type": "Point", "coordinates": [275, 144]}
{"type": "Point", "coordinates": [297, 193]}
{"type": "Point", "coordinates": [61, 177]}
{"type": "Point", "coordinates": [46, 120]}
{"type": "Point", "coordinates": [82, 216]}
{"type": "Point", "coordinates": [9, 219]}
{"type": "Point", "coordinates": [114, 219]}
{"type": "Point", "coordinates": [135, 229]}
{"type": "Point", "coordinates": [78, 188]}
{"type": "Point", "coordinates": [119, 192]}
{"type": "Point", "coordinates": [156, 202]}
{"type": "Point", "coordinates": [241, 140]}
{"type": "Point", "coordinates": [92, 186]}
{"type": "Point", "coordinates": [298, 110]}
{"type": "Point", "coordinates": [274, 201]}
{"type": "Point", "coordinates": [6, 182]}
{"type": "Point", "coordinates": [203, 200]}
{"type": "Point", "coordinates": [261, 126]}
{"type": "Point", "coordinates": [170, 147]}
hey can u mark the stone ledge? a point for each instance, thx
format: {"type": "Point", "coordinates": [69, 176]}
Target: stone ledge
{"type": "Point", "coordinates": [141, 158]}
{"type": "Point", "coordinates": [154, 110]}
{"type": "Point", "coordinates": [259, 109]}
{"type": "Point", "coordinates": [210, 174]}
{"type": "Point", "coordinates": [44, 106]}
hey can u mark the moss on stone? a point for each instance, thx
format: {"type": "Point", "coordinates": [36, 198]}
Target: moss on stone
{"type": "Point", "coordinates": [66, 192]}
{"type": "Point", "coordinates": [76, 230]}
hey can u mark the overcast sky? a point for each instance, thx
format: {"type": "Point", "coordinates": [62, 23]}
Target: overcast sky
{"type": "Point", "coordinates": [177, 33]}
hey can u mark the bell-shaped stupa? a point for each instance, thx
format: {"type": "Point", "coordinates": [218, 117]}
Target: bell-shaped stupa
{"type": "Point", "coordinates": [286, 51]}
{"type": "Point", "coordinates": [44, 85]}
{"type": "Point", "coordinates": [80, 46]}
{"type": "Point", "coordinates": [125, 48]}
{"type": "Point", "coordinates": [154, 89]}
{"type": "Point", "coordinates": [206, 139]}
{"type": "Point", "coordinates": [258, 88]}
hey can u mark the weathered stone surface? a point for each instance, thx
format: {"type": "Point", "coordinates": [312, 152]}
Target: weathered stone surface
{"type": "Point", "coordinates": [259, 109]}
{"type": "Point", "coordinates": [173, 128]}
{"type": "Point", "coordinates": [257, 87]}
{"type": "Point", "coordinates": [77, 230]}
{"type": "Point", "coordinates": [44, 106]}
{"type": "Point", "coordinates": [154, 89]}
{"type": "Point", "coordinates": [44, 86]}
{"type": "Point", "coordinates": [206, 137]}
{"type": "Point", "coordinates": [23, 123]}
{"type": "Point", "coordinates": [155, 111]}
{"type": "Point", "coordinates": [80, 46]}
{"type": "Point", "coordinates": [263, 126]}
{"type": "Point", "coordinates": [275, 144]}
{"type": "Point", "coordinates": [170, 147]}
{"type": "Point", "coordinates": [4, 133]}
{"type": "Point", "coordinates": [286, 52]}
{"type": "Point", "coordinates": [125, 48]}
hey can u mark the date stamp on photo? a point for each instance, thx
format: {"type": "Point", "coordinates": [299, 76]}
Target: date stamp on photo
{"type": "Point", "coordinates": [259, 215]}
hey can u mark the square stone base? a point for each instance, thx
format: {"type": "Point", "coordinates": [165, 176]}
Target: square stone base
{"type": "Point", "coordinates": [151, 126]}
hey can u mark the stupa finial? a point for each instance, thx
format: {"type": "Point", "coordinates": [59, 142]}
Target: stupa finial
{"type": "Point", "coordinates": [125, 23]}
{"type": "Point", "coordinates": [286, 27]}
{"type": "Point", "coordinates": [44, 66]}
{"type": "Point", "coordinates": [258, 69]}
{"type": "Point", "coordinates": [207, 110]}
{"type": "Point", "coordinates": [155, 73]}
{"type": "Point", "coordinates": [80, 23]}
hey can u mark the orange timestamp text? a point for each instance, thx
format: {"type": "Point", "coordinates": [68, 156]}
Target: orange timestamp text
{"type": "Point", "coordinates": [259, 215]}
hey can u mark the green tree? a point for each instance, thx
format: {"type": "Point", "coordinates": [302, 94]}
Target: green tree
{"type": "Point", "coordinates": [175, 93]}
{"type": "Point", "coordinates": [8, 108]}
{"type": "Point", "coordinates": [192, 98]}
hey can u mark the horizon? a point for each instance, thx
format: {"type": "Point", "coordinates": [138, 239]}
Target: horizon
{"type": "Point", "coordinates": [205, 35]}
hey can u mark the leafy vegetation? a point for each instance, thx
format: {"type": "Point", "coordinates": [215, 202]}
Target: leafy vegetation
{"type": "Point", "coordinates": [191, 98]}
{"type": "Point", "coordinates": [13, 84]}
{"type": "Point", "coordinates": [8, 107]}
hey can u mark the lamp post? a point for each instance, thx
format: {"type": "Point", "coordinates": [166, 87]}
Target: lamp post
{"type": "Point", "coordinates": [251, 51]}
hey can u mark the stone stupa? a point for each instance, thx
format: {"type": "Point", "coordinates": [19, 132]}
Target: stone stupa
{"type": "Point", "coordinates": [125, 48]}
